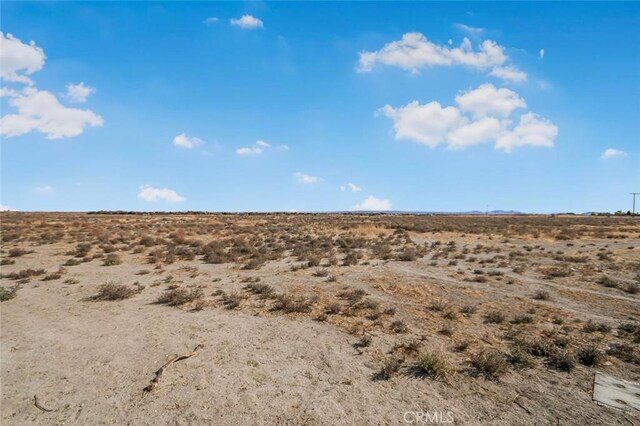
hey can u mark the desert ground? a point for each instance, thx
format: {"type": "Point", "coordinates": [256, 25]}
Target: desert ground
{"type": "Point", "coordinates": [316, 319]}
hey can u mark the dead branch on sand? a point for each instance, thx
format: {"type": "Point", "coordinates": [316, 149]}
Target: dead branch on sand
{"type": "Point", "coordinates": [154, 383]}
{"type": "Point", "coordinates": [40, 407]}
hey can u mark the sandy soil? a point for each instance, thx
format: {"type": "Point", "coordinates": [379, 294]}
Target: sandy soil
{"type": "Point", "coordinates": [88, 361]}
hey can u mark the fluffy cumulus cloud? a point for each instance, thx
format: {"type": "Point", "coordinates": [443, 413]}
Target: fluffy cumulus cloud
{"type": "Point", "coordinates": [509, 73]}
{"type": "Point", "coordinates": [149, 193]}
{"type": "Point", "coordinates": [427, 124]}
{"type": "Point", "coordinates": [415, 51]}
{"type": "Point", "coordinates": [612, 153]}
{"type": "Point", "coordinates": [487, 100]}
{"type": "Point", "coordinates": [38, 110]}
{"type": "Point", "coordinates": [351, 187]}
{"type": "Point", "coordinates": [481, 115]}
{"type": "Point", "coordinates": [532, 130]}
{"type": "Point", "coordinates": [247, 22]}
{"type": "Point", "coordinates": [372, 203]}
{"type": "Point", "coordinates": [4, 208]}
{"type": "Point", "coordinates": [19, 59]}
{"type": "Point", "coordinates": [306, 179]}
{"type": "Point", "coordinates": [79, 93]}
{"type": "Point", "coordinates": [184, 141]}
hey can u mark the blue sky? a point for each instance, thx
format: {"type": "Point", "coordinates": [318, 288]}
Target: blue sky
{"type": "Point", "coordinates": [320, 106]}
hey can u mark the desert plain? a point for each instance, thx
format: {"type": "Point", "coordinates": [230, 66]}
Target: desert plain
{"type": "Point", "coordinates": [316, 319]}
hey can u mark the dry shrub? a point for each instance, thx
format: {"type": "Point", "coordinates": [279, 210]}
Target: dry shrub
{"type": "Point", "coordinates": [179, 296]}
{"type": "Point", "coordinates": [434, 365]}
{"type": "Point", "coordinates": [494, 317]}
{"type": "Point", "coordinates": [111, 259]}
{"type": "Point", "coordinates": [390, 367]}
{"type": "Point", "coordinates": [489, 363]}
{"type": "Point", "coordinates": [8, 293]}
{"type": "Point", "coordinates": [262, 290]}
{"type": "Point", "coordinates": [112, 291]}
{"type": "Point", "coordinates": [590, 356]}
{"type": "Point", "coordinates": [289, 303]}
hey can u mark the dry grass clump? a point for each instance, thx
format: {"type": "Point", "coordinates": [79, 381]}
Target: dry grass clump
{"type": "Point", "coordinates": [590, 356]}
{"type": "Point", "coordinates": [8, 293]}
{"type": "Point", "coordinates": [625, 352]}
{"type": "Point", "coordinates": [352, 296]}
{"type": "Point", "coordinates": [5, 261]}
{"type": "Point", "coordinates": [399, 326]}
{"type": "Point", "coordinates": [541, 295]}
{"type": "Point", "coordinates": [390, 367]}
{"type": "Point", "coordinates": [631, 330]}
{"type": "Point", "coordinates": [264, 291]}
{"type": "Point", "coordinates": [592, 326]}
{"type": "Point", "coordinates": [111, 259]}
{"type": "Point", "coordinates": [468, 310]}
{"type": "Point", "coordinates": [179, 296]}
{"type": "Point", "coordinates": [561, 360]}
{"type": "Point", "coordinates": [551, 273]}
{"type": "Point", "coordinates": [520, 358]}
{"type": "Point", "coordinates": [608, 282]}
{"type": "Point", "coordinates": [25, 274]}
{"type": "Point", "coordinates": [523, 319]}
{"type": "Point", "coordinates": [489, 363]}
{"type": "Point", "coordinates": [434, 365]}
{"type": "Point", "coordinates": [289, 303]}
{"type": "Point", "coordinates": [17, 252]}
{"type": "Point", "coordinates": [494, 317]}
{"type": "Point", "coordinates": [112, 291]}
{"type": "Point", "coordinates": [232, 300]}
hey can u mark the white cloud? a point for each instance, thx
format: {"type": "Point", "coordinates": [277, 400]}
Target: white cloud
{"type": "Point", "coordinates": [427, 124]}
{"type": "Point", "coordinates": [611, 153]}
{"type": "Point", "coordinates": [509, 73]}
{"type": "Point", "coordinates": [247, 22]}
{"type": "Point", "coordinates": [40, 110]}
{"type": "Point", "coordinates": [258, 148]}
{"type": "Point", "coordinates": [414, 51]}
{"type": "Point", "coordinates": [351, 187]}
{"type": "Point", "coordinates": [306, 179]}
{"type": "Point", "coordinates": [18, 60]}
{"type": "Point", "coordinates": [184, 141]}
{"type": "Point", "coordinates": [44, 189]}
{"type": "Point", "coordinates": [4, 208]}
{"type": "Point", "coordinates": [541, 53]}
{"type": "Point", "coordinates": [530, 131]}
{"type": "Point", "coordinates": [249, 151]}
{"type": "Point", "coordinates": [149, 193]}
{"type": "Point", "coordinates": [212, 20]}
{"type": "Point", "coordinates": [469, 29]}
{"type": "Point", "coordinates": [487, 100]}
{"type": "Point", "coordinates": [79, 92]}
{"type": "Point", "coordinates": [372, 203]}
{"type": "Point", "coordinates": [482, 115]}
{"type": "Point", "coordinates": [483, 130]}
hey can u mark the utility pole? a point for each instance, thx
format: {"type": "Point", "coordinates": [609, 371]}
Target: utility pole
{"type": "Point", "coordinates": [634, 200]}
